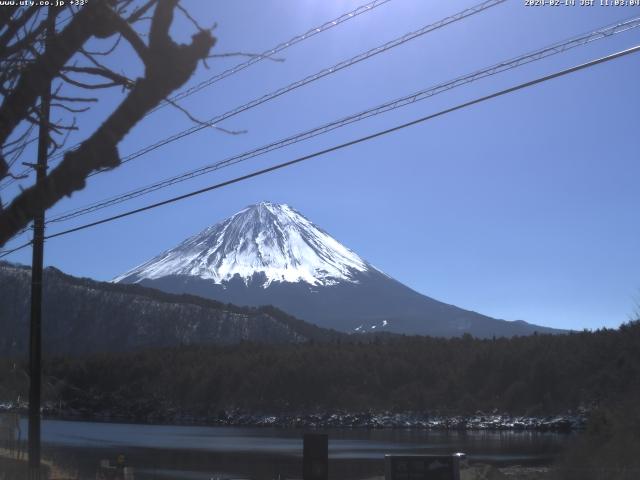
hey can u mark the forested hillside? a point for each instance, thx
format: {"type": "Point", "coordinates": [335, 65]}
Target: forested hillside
{"type": "Point", "coordinates": [83, 316]}
{"type": "Point", "coordinates": [528, 375]}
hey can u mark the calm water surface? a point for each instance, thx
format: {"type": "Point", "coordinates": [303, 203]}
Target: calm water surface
{"type": "Point", "coordinates": [192, 452]}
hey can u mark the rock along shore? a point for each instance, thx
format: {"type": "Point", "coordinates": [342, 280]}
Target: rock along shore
{"type": "Point", "coordinates": [568, 422]}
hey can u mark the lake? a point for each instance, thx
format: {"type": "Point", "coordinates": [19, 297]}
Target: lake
{"type": "Point", "coordinates": [197, 452]}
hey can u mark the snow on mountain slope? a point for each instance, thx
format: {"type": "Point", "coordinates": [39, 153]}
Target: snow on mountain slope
{"type": "Point", "coordinates": [268, 238]}
{"type": "Point", "coordinates": [269, 254]}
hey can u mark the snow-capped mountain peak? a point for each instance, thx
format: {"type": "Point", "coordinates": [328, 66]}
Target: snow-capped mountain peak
{"type": "Point", "coordinates": [265, 238]}
{"type": "Point", "coordinates": [269, 254]}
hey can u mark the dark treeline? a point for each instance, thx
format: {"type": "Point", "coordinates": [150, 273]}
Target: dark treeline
{"type": "Point", "coordinates": [531, 375]}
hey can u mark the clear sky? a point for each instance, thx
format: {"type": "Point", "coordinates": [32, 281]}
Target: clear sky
{"type": "Point", "coordinates": [524, 207]}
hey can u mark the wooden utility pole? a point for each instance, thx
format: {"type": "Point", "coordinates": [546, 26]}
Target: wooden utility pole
{"type": "Point", "coordinates": [35, 333]}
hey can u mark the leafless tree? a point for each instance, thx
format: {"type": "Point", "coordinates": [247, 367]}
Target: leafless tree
{"type": "Point", "coordinates": [29, 62]}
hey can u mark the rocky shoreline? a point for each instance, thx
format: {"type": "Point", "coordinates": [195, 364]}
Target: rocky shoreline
{"type": "Point", "coordinates": [494, 421]}
{"type": "Point", "coordinates": [481, 421]}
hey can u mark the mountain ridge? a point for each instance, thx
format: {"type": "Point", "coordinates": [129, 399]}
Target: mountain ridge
{"type": "Point", "coordinates": [269, 253]}
{"type": "Point", "coordinates": [83, 316]}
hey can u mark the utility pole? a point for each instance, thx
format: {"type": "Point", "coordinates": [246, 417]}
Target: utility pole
{"type": "Point", "coordinates": [35, 333]}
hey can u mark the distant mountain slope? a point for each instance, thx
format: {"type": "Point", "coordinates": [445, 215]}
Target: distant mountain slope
{"type": "Point", "coordinates": [84, 316]}
{"type": "Point", "coordinates": [270, 254]}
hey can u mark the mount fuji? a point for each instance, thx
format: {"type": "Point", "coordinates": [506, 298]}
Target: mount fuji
{"type": "Point", "coordinates": [270, 254]}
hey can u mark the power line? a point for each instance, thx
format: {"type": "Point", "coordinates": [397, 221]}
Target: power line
{"type": "Point", "coordinates": [343, 145]}
{"type": "Point", "coordinates": [556, 48]}
{"type": "Point", "coordinates": [279, 166]}
{"type": "Point", "coordinates": [5, 253]}
{"type": "Point", "coordinates": [277, 49]}
{"type": "Point", "coordinates": [312, 78]}
{"type": "Point", "coordinates": [368, 7]}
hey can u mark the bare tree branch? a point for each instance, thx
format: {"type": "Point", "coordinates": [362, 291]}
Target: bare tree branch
{"type": "Point", "coordinates": [36, 76]}
{"type": "Point", "coordinates": [133, 38]}
{"type": "Point", "coordinates": [108, 51]}
{"type": "Point", "coordinates": [137, 15]}
{"type": "Point", "coordinates": [191, 19]}
{"type": "Point", "coordinates": [6, 14]}
{"type": "Point", "coordinates": [88, 86]}
{"type": "Point", "coordinates": [70, 109]}
{"type": "Point", "coordinates": [74, 99]}
{"type": "Point", "coordinates": [14, 27]}
{"type": "Point", "coordinates": [115, 78]}
{"type": "Point", "coordinates": [168, 67]}
{"type": "Point", "coordinates": [202, 122]}
{"type": "Point", "coordinates": [27, 39]}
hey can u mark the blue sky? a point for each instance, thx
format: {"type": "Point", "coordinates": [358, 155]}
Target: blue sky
{"type": "Point", "coordinates": [524, 207]}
